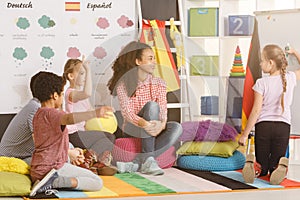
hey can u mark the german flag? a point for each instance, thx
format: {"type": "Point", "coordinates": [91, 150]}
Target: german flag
{"type": "Point", "coordinates": [72, 6]}
{"type": "Point", "coordinates": [253, 72]}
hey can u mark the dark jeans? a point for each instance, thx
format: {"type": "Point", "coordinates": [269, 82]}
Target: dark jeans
{"type": "Point", "coordinates": [153, 146]}
{"type": "Point", "coordinates": [96, 140]}
{"type": "Point", "coordinates": [271, 142]}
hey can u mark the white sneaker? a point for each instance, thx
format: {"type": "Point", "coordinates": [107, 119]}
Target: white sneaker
{"type": "Point", "coordinates": [151, 167]}
{"type": "Point", "coordinates": [129, 167]}
{"type": "Point", "coordinates": [45, 184]}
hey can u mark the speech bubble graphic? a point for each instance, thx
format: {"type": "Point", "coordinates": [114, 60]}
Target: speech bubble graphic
{"type": "Point", "coordinates": [47, 52]}
{"type": "Point", "coordinates": [102, 23]}
{"type": "Point", "coordinates": [23, 23]}
{"type": "Point", "coordinates": [99, 52]}
{"type": "Point", "coordinates": [19, 53]}
{"type": "Point", "coordinates": [125, 22]}
{"type": "Point", "coordinates": [73, 52]}
{"type": "Point", "coordinates": [46, 22]}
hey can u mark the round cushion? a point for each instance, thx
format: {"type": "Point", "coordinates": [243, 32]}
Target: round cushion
{"type": "Point", "coordinates": [109, 124]}
{"type": "Point", "coordinates": [126, 149]}
{"type": "Point", "coordinates": [212, 163]}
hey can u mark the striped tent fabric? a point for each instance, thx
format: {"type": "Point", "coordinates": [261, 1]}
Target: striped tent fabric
{"type": "Point", "coordinates": [153, 34]}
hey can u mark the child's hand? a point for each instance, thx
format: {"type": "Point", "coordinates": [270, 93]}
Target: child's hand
{"type": "Point", "coordinates": [291, 51]}
{"type": "Point", "coordinates": [154, 128]}
{"type": "Point", "coordinates": [242, 140]}
{"type": "Point", "coordinates": [143, 123]}
{"type": "Point", "coordinates": [76, 156]}
{"type": "Point", "coordinates": [85, 63]}
{"type": "Point", "coordinates": [104, 112]}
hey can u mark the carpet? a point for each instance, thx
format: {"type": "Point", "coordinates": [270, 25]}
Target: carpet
{"type": "Point", "coordinates": [174, 181]}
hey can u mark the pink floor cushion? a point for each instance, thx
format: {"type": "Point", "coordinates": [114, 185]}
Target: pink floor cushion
{"type": "Point", "coordinates": [125, 150]}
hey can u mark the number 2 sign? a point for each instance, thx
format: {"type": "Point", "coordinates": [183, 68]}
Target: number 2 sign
{"type": "Point", "coordinates": [240, 24]}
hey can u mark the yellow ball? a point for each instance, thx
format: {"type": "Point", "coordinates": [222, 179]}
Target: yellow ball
{"type": "Point", "coordinates": [109, 124]}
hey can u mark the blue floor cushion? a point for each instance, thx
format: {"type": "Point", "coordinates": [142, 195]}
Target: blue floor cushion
{"type": "Point", "coordinates": [212, 163]}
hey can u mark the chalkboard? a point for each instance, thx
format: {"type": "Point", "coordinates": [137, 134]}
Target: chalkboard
{"type": "Point", "coordinates": [281, 27]}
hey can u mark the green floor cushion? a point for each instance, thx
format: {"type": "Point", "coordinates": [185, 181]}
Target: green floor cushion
{"type": "Point", "coordinates": [14, 184]}
{"type": "Point", "coordinates": [221, 149]}
{"type": "Point", "coordinates": [212, 163]}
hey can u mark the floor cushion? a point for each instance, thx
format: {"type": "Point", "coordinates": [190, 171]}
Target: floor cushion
{"type": "Point", "coordinates": [207, 130]}
{"type": "Point", "coordinates": [221, 149]}
{"type": "Point", "coordinates": [125, 150]}
{"type": "Point", "coordinates": [212, 163]}
{"type": "Point", "coordinates": [14, 184]}
{"type": "Point", "coordinates": [11, 164]}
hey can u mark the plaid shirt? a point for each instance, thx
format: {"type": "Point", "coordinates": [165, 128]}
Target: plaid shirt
{"type": "Point", "coordinates": [152, 89]}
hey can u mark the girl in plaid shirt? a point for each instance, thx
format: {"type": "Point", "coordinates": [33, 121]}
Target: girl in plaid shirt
{"type": "Point", "coordinates": [143, 102]}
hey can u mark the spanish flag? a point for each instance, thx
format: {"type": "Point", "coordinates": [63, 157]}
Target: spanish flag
{"type": "Point", "coordinates": [153, 34]}
{"type": "Point", "coordinates": [253, 72]}
{"type": "Point", "coordinates": [72, 6]}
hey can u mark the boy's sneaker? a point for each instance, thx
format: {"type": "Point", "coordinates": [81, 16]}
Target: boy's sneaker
{"type": "Point", "coordinates": [129, 167]}
{"type": "Point", "coordinates": [151, 167]}
{"type": "Point", "coordinates": [45, 184]}
{"type": "Point", "coordinates": [280, 172]}
{"type": "Point", "coordinates": [251, 169]}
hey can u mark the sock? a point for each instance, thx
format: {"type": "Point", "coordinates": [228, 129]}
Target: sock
{"type": "Point", "coordinates": [62, 182]}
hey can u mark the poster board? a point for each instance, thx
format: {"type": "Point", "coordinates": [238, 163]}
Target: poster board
{"type": "Point", "coordinates": [40, 35]}
{"type": "Point", "coordinates": [281, 27]}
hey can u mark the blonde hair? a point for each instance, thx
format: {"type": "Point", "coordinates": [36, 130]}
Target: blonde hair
{"type": "Point", "coordinates": [69, 67]}
{"type": "Point", "coordinates": [275, 53]}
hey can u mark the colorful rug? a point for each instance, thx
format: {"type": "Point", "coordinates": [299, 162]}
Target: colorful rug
{"type": "Point", "coordinates": [174, 181]}
{"type": "Point", "coordinates": [234, 180]}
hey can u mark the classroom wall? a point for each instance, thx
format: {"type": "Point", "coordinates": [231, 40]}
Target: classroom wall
{"type": "Point", "coordinates": [40, 35]}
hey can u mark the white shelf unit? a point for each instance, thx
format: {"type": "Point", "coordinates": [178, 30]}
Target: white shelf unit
{"type": "Point", "coordinates": [223, 46]}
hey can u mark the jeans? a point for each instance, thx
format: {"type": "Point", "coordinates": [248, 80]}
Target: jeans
{"type": "Point", "coordinates": [271, 141]}
{"type": "Point", "coordinates": [96, 140]}
{"type": "Point", "coordinates": [153, 146]}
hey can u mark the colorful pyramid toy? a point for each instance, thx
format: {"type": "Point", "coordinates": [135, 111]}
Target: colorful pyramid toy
{"type": "Point", "coordinates": [237, 67]}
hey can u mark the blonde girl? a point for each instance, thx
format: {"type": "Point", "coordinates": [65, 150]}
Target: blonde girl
{"type": "Point", "coordinates": [271, 116]}
{"type": "Point", "coordinates": [78, 73]}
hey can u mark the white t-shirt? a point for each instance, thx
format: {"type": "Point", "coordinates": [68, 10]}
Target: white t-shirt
{"type": "Point", "coordinates": [270, 87]}
{"type": "Point", "coordinates": [80, 106]}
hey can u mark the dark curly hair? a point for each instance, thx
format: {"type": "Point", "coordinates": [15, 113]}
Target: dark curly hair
{"type": "Point", "coordinates": [32, 83]}
{"type": "Point", "coordinates": [125, 68]}
{"type": "Point", "coordinates": [46, 84]}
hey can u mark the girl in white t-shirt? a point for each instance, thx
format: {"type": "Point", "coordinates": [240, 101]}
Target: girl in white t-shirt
{"type": "Point", "coordinates": [271, 116]}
